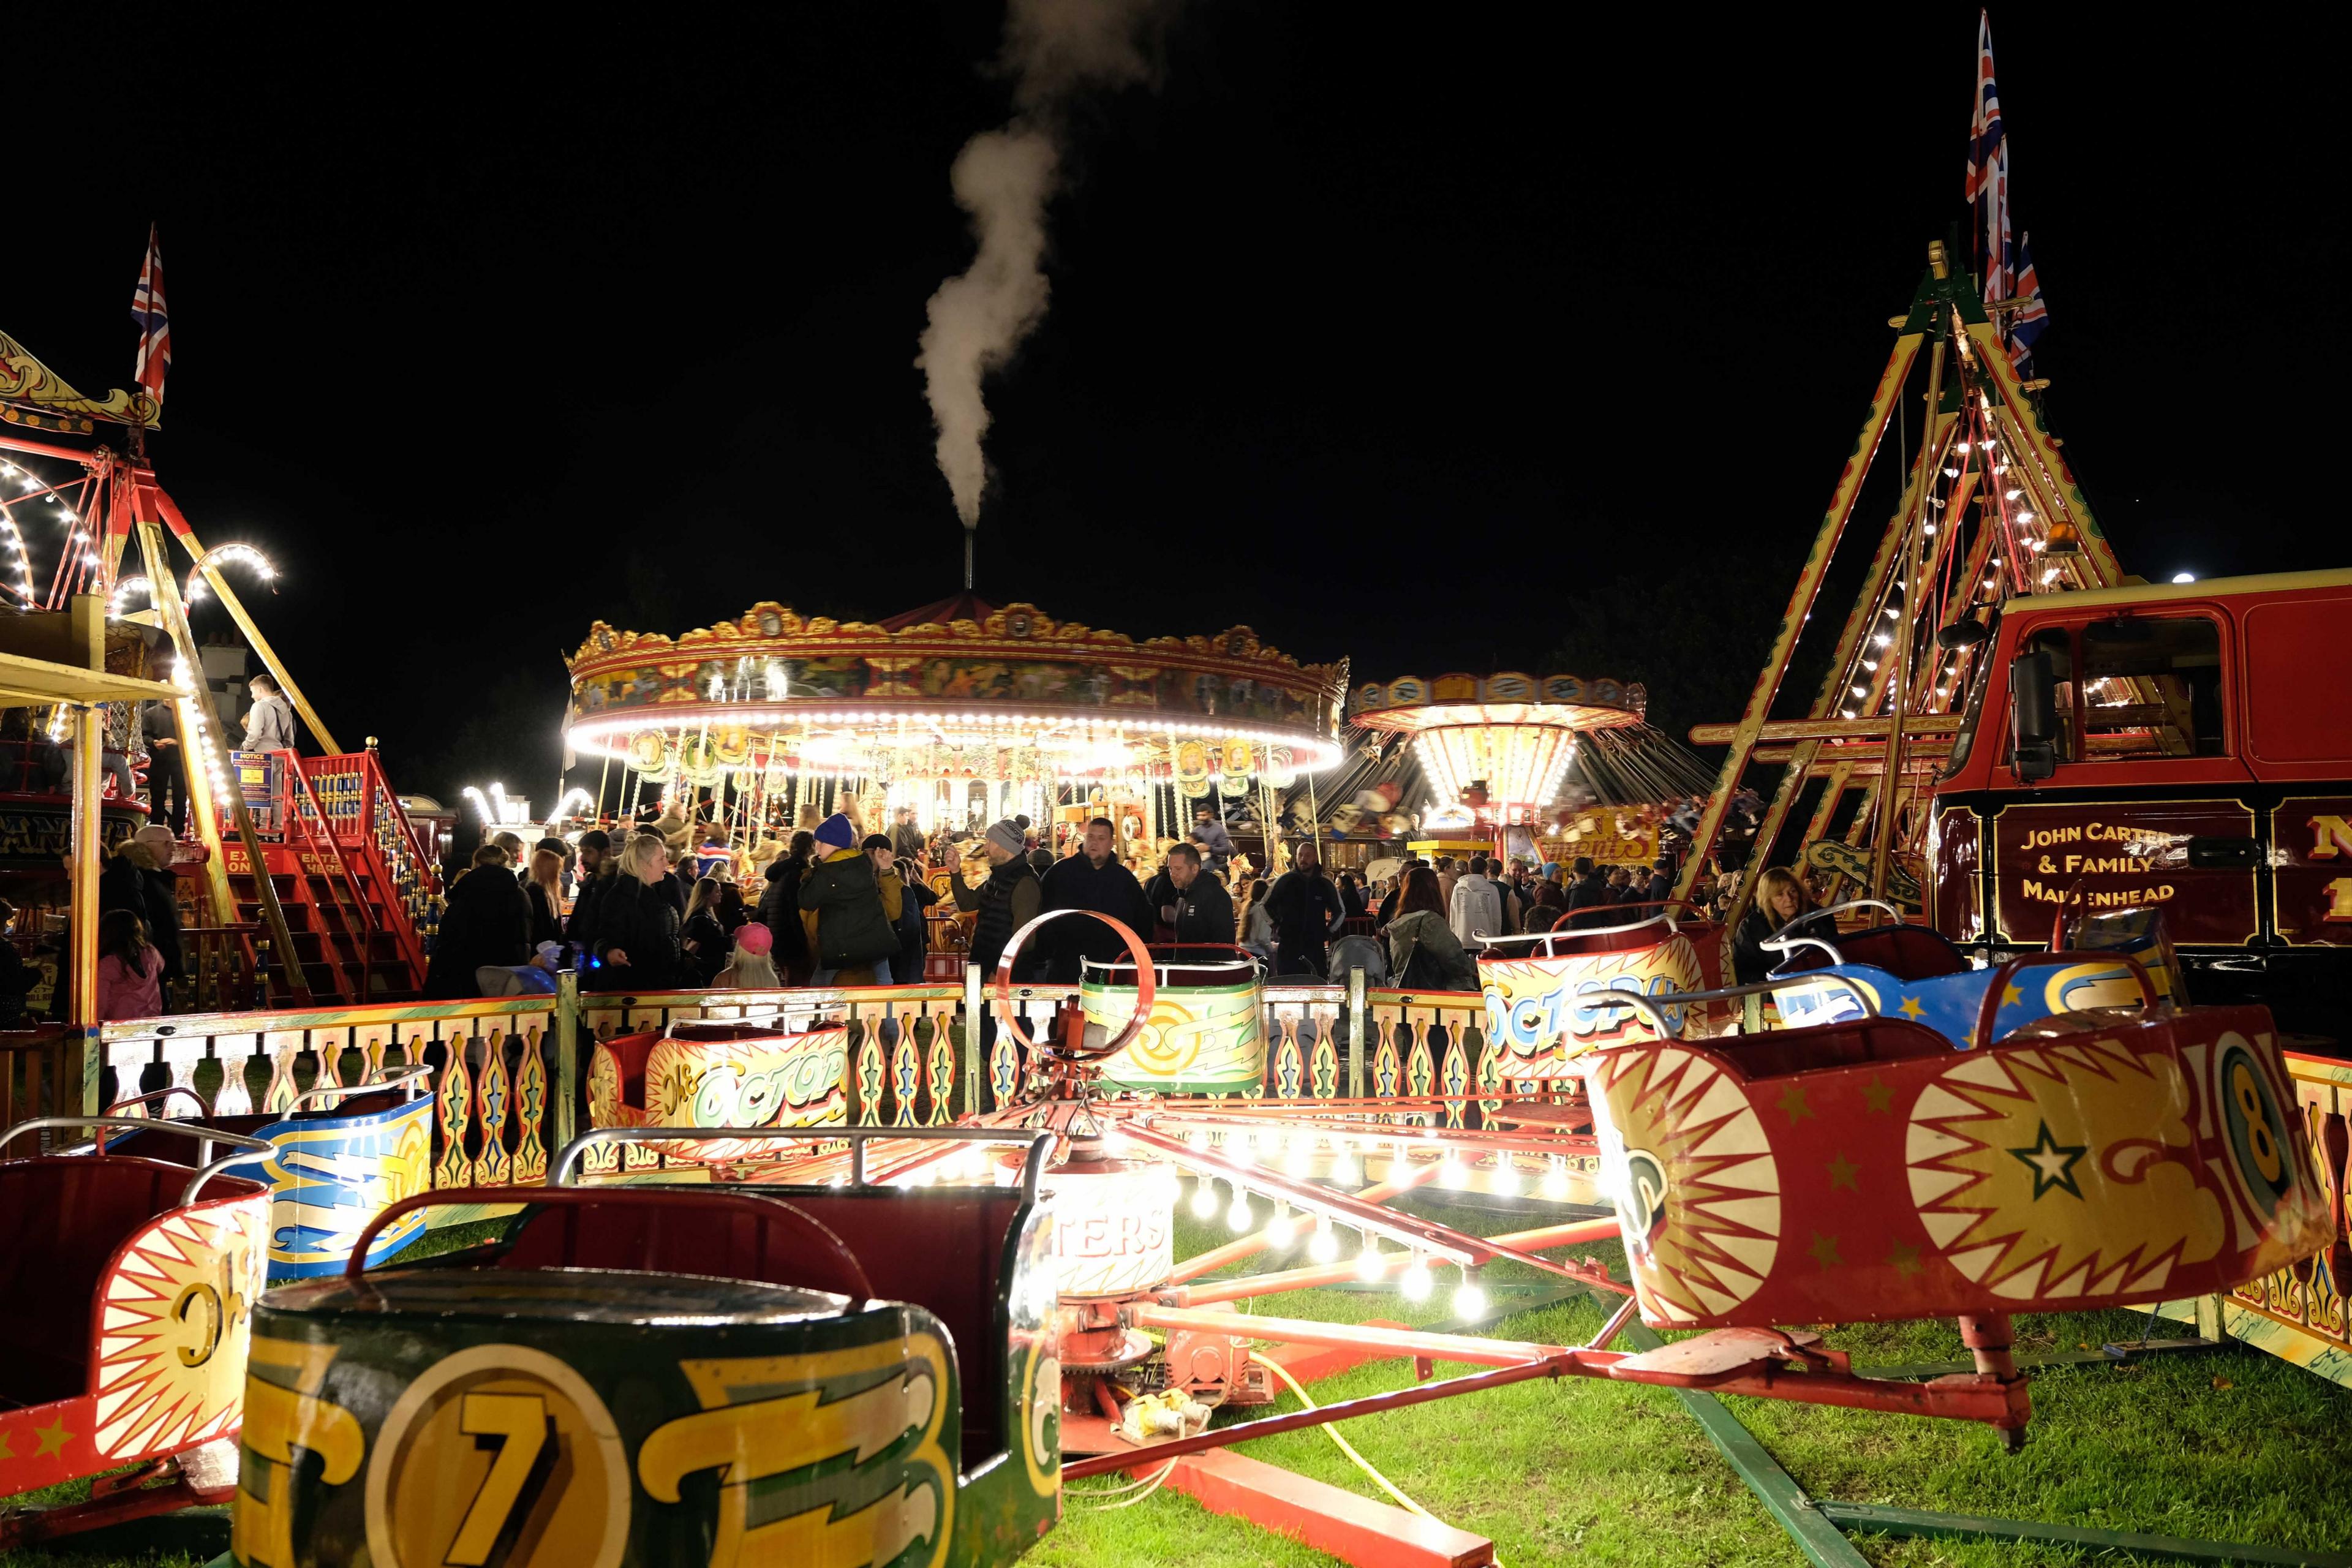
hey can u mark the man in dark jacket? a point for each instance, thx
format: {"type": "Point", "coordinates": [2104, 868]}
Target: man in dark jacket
{"type": "Point", "coordinates": [167, 780]}
{"type": "Point", "coordinates": [1091, 879]}
{"type": "Point", "coordinates": [487, 921]}
{"type": "Point", "coordinates": [1587, 897]}
{"type": "Point", "coordinates": [905, 838]}
{"type": "Point", "coordinates": [1006, 900]}
{"type": "Point", "coordinates": [1190, 904]}
{"type": "Point", "coordinates": [1304, 906]}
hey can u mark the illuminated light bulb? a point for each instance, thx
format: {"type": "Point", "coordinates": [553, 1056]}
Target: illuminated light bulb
{"type": "Point", "coordinates": [2011, 495]}
{"type": "Point", "coordinates": [1555, 1180]}
{"type": "Point", "coordinates": [1323, 1247]}
{"type": "Point", "coordinates": [1369, 1264]}
{"type": "Point", "coordinates": [1283, 1230]}
{"type": "Point", "coordinates": [1469, 1299]}
{"type": "Point", "coordinates": [1237, 1148]}
{"type": "Point", "coordinates": [2025, 517]}
{"type": "Point", "coordinates": [1241, 1217]}
{"type": "Point", "coordinates": [1343, 1168]}
{"type": "Point", "coordinates": [1860, 692]}
{"type": "Point", "coordinates": [1204, 1201]}
{"type": "Point", "coordinates": [1417, 1282]}
{"type": "Point", "coordinates": [1507, 1177]}
{"type": "Point", "coordinates": [1301, 1161]}
{"type": "Point", "coordinates": [1452, 1175]}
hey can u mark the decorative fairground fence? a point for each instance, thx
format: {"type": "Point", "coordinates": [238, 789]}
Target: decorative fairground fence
{"type": "Point", "coordinates": [506, 1078]}
{"type": "Point", "coordinates": [507, 1074]}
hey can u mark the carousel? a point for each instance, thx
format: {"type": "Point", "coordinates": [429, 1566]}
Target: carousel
{"type": "Point", "coordinates": [962, 712]}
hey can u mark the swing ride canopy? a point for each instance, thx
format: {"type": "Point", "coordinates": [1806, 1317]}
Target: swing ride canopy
{"type": "Point", "coordinates": [1500, 743]}
{"type": "Point", "coordinates": [960, 689]}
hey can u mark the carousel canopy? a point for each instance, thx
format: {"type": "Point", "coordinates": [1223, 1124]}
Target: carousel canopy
{"type": "Point", "coordinates": [1499, 744]}
{"type": "Point", "coordinates": [957, 688]}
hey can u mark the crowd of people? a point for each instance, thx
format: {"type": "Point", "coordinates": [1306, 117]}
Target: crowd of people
{"type": "Point", "coordinates": [658, 907]}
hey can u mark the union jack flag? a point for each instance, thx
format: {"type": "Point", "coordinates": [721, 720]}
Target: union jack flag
{"type": "Point", "coordinates": [1988, 183]}
{"type": "Point", "coordinates": [154, 324]}
{"type": "Point", "coordinates": [2026, 323]}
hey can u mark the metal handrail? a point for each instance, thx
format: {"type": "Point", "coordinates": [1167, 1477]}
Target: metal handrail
{"type": "Point", "coordinates": [406, 1075]}
{"type": "Point", "coordinates": [1791, 943]}
{"type": "Point", "coordinates": [1782, 941]}
{"type": "Point", "coordinates": [205, 1137]}
{"type": "Point", "coordinates": [1765, 987]}
{"type": "Point", "coordinates": [1559, 932]}
{"type": "Point", "coordinates": [1040, 1143]}
{"type": "Point", "coordinates": [309, 798]}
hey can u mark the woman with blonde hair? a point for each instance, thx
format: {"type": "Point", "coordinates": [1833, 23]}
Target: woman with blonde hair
{"type": "Point", "coordinates": [543, 888]}
{"type": "Point", "coordinates": [637, 925]}
{"type": "Point", "coordinates": [1781, 902]}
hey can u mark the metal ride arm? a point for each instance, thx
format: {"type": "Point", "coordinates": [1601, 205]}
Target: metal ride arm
{"type": "Point", "coordinates": [1040, 1144]}
{"type": "Point", "coordinates": [207, 1166]}
{"type": "Point", "coordinates": [1991, 1008]}
{"type": "Point", "coordinates": [1765, 1363]}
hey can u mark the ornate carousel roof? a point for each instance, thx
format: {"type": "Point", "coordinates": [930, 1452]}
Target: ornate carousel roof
{"type": "Point", "coordinates": [776, 686]}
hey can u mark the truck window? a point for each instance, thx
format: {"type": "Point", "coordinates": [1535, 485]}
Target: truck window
{"type": "Point", "coordinates": [2058, 642]}
{"type": "Point", "coordinates": [2151, 688]}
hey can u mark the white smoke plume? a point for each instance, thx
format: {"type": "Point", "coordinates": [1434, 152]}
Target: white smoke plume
{"type": "Point", "coordinates": [1054, 50]}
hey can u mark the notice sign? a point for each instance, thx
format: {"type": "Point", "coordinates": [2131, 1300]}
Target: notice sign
{"type": "Point", "coordinates": [1114, 1228]}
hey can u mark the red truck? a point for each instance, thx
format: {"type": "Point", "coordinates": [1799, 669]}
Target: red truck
{"type": "Point", "coordinates": [2187, 746]}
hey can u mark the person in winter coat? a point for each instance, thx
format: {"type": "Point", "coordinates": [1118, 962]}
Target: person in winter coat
{"type": "Point", "coordinates": [1424, 952]}
{"type": "Point", "coordinates": [1092, 879]}
{"type": "Point", "coordinates": [1476, 907]}
{"type": "Point", "coordinates": [1009, 898]}
{"type": "Point", "coordinates": [129, 970]}
{"type": "Point", "coordinates": [487, 921]}
{"type": "Point", "coordinates": [779, 909]}
{"type": "Point", "coordinates": [138, 877]}
{"type": "Point", "coordinates": [905, 838]}
{"type": "Point", "coordinates": [1587, 897]}
{"type": "Point", "coordinates": [167, 778]}
{"type": "Point", "coordinates": [1780, 901]}
{"type": "Point", "coordinates": [1305, 909]}
{"type": "Point", "coordinates": [269, 723]}
{"type": "Point", "coordinates": [637, 925]}
{"type": "Point", "coordinates": [543, 890]}
{"type": "Point", "coordinates": [1192, 905]}
{"type": "Point", "coordinates": [848, 915]}
{"type": "Point", "coordinates": [915, 895]}
{"type": "Point", "coordinates": [702, 936]}
{"type": "Point", "coordinates": [579, 931]}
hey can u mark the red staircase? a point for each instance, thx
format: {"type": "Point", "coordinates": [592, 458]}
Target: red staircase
{"type": "Point", "coordinates": [357, 887]}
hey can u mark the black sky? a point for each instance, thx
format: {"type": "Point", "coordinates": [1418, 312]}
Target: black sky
{"type": "Point", "coordinates": [1379, 337]}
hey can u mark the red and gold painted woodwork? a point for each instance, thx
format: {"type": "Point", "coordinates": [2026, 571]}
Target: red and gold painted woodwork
{"type": "Point", "coordinates": [720, 1076]}
{"type": "Point", "coordinates": [2062, 854]}
{"type": "Point", "coordinates": [1546, 1011]}
{"type": "Point", "coordinates": [167, 1325]}
{"type": "Point", "coordinates": [2311, 871]}
{"type": "Point", "coordinates": [1865, 1171]}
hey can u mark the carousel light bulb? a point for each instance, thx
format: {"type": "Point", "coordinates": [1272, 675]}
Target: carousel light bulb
{"type": "Point", "coordinates": [1241, 1217]}
{"type": "Point", "coordinates": [1204, 1200]}
{"type": "Point", "coordinates": [1343, 1168]}
{"type": "Point", "coordinates": [1323, 1247]}
{"type": "Point", "coordinates": [1554, 1179]}
{"type": "Point", "coordinates": [1369, 1264]}
{"type": "Point", "coordinates": [1283, 1230]}
{"type": "Point", "coordinates": [2011, 495]}
{"type": "Point", "coordinates": [1452, 1175]}
{"type": "Point", "coordinates": [1506, 1176]}
{"type": "Point", "coordinates": [1417, 1282]}
{"type": "Point", "coordinates": [1301, 1160]}
{"type": "Point", "coordinates": [1469, 1299]}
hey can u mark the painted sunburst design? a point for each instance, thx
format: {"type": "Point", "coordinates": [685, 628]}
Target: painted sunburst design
{"type": "Point", "coordinates": [1698, 1190]}
{"type": "Point", "coordinates": [2062, 1172]}
{"type": "Point", "coordinates": [174, 1328]}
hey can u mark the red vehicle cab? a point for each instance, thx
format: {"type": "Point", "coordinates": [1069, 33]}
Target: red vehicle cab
{"type": "Point", "coordinates": [2185, 747]}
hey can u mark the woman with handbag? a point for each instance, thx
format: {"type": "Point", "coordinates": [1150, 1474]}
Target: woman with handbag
{"type": "Point", "coordinates": [1424, 952]}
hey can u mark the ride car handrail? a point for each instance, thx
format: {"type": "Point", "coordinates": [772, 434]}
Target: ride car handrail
{"type": "Point", "coordinates": [412, 1074]}
{"type": "Point", "coordinates": [165, 1092]}
{"type": "Point", "coordinates": [1001, 992]}
{"type": "Point", "coordinates": [1982, 1037]}
{"type": "Point", "coordinates": [1559, 927]}
{"type": "Point", "coordinates": [207, 1168]}
{"type": "Point", "coordinates": [1759, 988]}
{"type": "Point", "coordinates": [1040, 1144]}
{"type": "Point", "coordinates": [355, 1266]}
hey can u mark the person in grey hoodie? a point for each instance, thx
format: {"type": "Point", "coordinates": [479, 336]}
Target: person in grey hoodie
{"type": "Point", "coordinates": [269, 723]}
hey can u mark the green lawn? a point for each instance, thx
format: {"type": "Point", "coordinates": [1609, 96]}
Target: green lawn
{"type": "Point", "coordinates": [2227, 1446]}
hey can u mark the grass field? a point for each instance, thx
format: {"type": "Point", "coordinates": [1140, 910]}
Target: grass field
{"type": "Point", "coordinates": [2227, 1445]}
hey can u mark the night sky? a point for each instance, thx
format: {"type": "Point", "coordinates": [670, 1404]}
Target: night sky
{"type": "Point", "coordinates": [1398, 342]}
